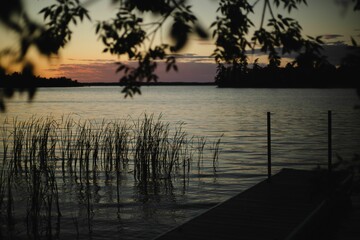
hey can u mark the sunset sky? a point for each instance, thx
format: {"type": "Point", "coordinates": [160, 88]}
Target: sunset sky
{"type": "Point", "coordinates": [84, 61]}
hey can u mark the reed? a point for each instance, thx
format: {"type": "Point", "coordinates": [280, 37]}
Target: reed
{"type": "Point", "coordinates": [40, 151]}
{"type": "Point", "coordinates": [121, 145]}
{"type": "Point", "coordinates": [43, 202]}
{"type": "Point", "coordinates": [157, 151]}
{"type": "Point", "coordinates": [6, 180]}
{"type": "Point", "coordinates": [9, 198]}
{"type": "Point", "coordinates": [76, 224]}
{"type": "Point", "coordinates": [215, 159]}
{"type": "Point", "coordinates": [3, 169]}
{"type": "Point", "coordinates": [201, 142]}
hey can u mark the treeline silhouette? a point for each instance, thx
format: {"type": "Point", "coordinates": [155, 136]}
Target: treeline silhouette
{"type": "Point", "coordinates": [323, 76]}
{"type": "Point", "coordinates": [19, 80]}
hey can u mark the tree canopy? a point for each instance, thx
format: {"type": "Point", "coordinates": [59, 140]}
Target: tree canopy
{"type": "Point", "coordinates": [129, 35]}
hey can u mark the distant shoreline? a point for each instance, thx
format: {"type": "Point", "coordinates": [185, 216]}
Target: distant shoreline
{"type": "Point", "coordinates": [216, 85]}
{"type": "Point", "coordinates": [19, 81]}
{"type": "Point", "coordinates": [151, 84]}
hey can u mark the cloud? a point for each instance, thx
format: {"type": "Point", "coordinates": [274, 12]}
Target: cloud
{"type": "Point", "coordinates": [205, 42]}
{"type": "Point", "coordinates": [332, 36]}
{"type": "Point", "coordinates": [90, 60]}
{"type": "Point", "coordinates": [188, 72]}
{"type": "Point", "coordinates": [55, 69]}
{"type": "Point", "coordinates": [335, 52]}
{"type": "Point", "coordinates": [88, 72]}
{"type": "Point", "coordinates": [191, 57]}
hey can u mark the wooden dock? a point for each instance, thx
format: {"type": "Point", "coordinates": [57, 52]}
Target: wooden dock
{"type": "Point", "coordinates": [292, 206]}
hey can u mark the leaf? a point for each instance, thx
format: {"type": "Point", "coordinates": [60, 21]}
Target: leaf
{"type": "Point", "coordinates": [97, 28]}
{"type": "Point", "coordinates": [104, 40]}
{"type": "Point", "coordinates": [81, 16]}
{"type": "Point", "coordinates": [354, 43]}
{"type": "Point", "coordinates": [43, 10]}
{"type": "Point", "coordinates": [201, 32]}
{"type": "Point", "coordinates": [120, 68]}
{"type": "Point", "coordinates": [2, 106]}
{"type": "Point", "coordinates": [357, 6]}
{"type": "Point", "coordinates": [168, 66]}
{"type": "Point", "coordinates": [87, 15]}
{"type": "Point", "coordinates": [58, 11]}
{"type": "Point", "coordinates": [318, 40]}
{"type": "Point", "coordinates": [179, 32]}
{"type": "Point", "coordinates": [25, 44]}
{"type": "Point", "coordinates": [47, 13]}
{"type": "Point", "coordinates": [281, 25]}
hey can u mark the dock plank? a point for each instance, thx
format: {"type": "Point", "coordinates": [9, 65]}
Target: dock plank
{"type": "Point", "coordinates": [265, 211]}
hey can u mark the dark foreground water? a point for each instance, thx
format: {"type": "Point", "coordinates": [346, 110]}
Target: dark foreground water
{"type": "Point", "coordinates": [117, 207]}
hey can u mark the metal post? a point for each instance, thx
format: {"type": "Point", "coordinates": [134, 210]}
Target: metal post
{"type": "Point", "coordinates": [269, 145]}
{"type": "Point", "coordinates": [329, 142]}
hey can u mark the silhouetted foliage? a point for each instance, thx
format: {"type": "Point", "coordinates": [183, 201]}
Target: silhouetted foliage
{"type": "Point", "coordinates": [281, 36]}
{"type": "Point", "coordinates": [307, 70]}
{"type": "Point", "coordinates": [127, 34]}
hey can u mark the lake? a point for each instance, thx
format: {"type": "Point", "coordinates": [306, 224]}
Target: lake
{"type": "Point", "coordinates": [236, 116]}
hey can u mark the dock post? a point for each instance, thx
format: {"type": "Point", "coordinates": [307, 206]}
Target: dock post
{"type": "Point", "coordinates": [329, 142]}
{"type": "Point", "coordinates": [269, 145]}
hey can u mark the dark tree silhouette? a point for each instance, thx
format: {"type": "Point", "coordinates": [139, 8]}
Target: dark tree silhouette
{"type": "Point", "coordinates": [282, 35]}
{"type": "Point", "coordinates": [127, 34]}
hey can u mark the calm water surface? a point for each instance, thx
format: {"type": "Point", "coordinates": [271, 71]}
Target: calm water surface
{"type": "Point", "coordinates": [299, 134]}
